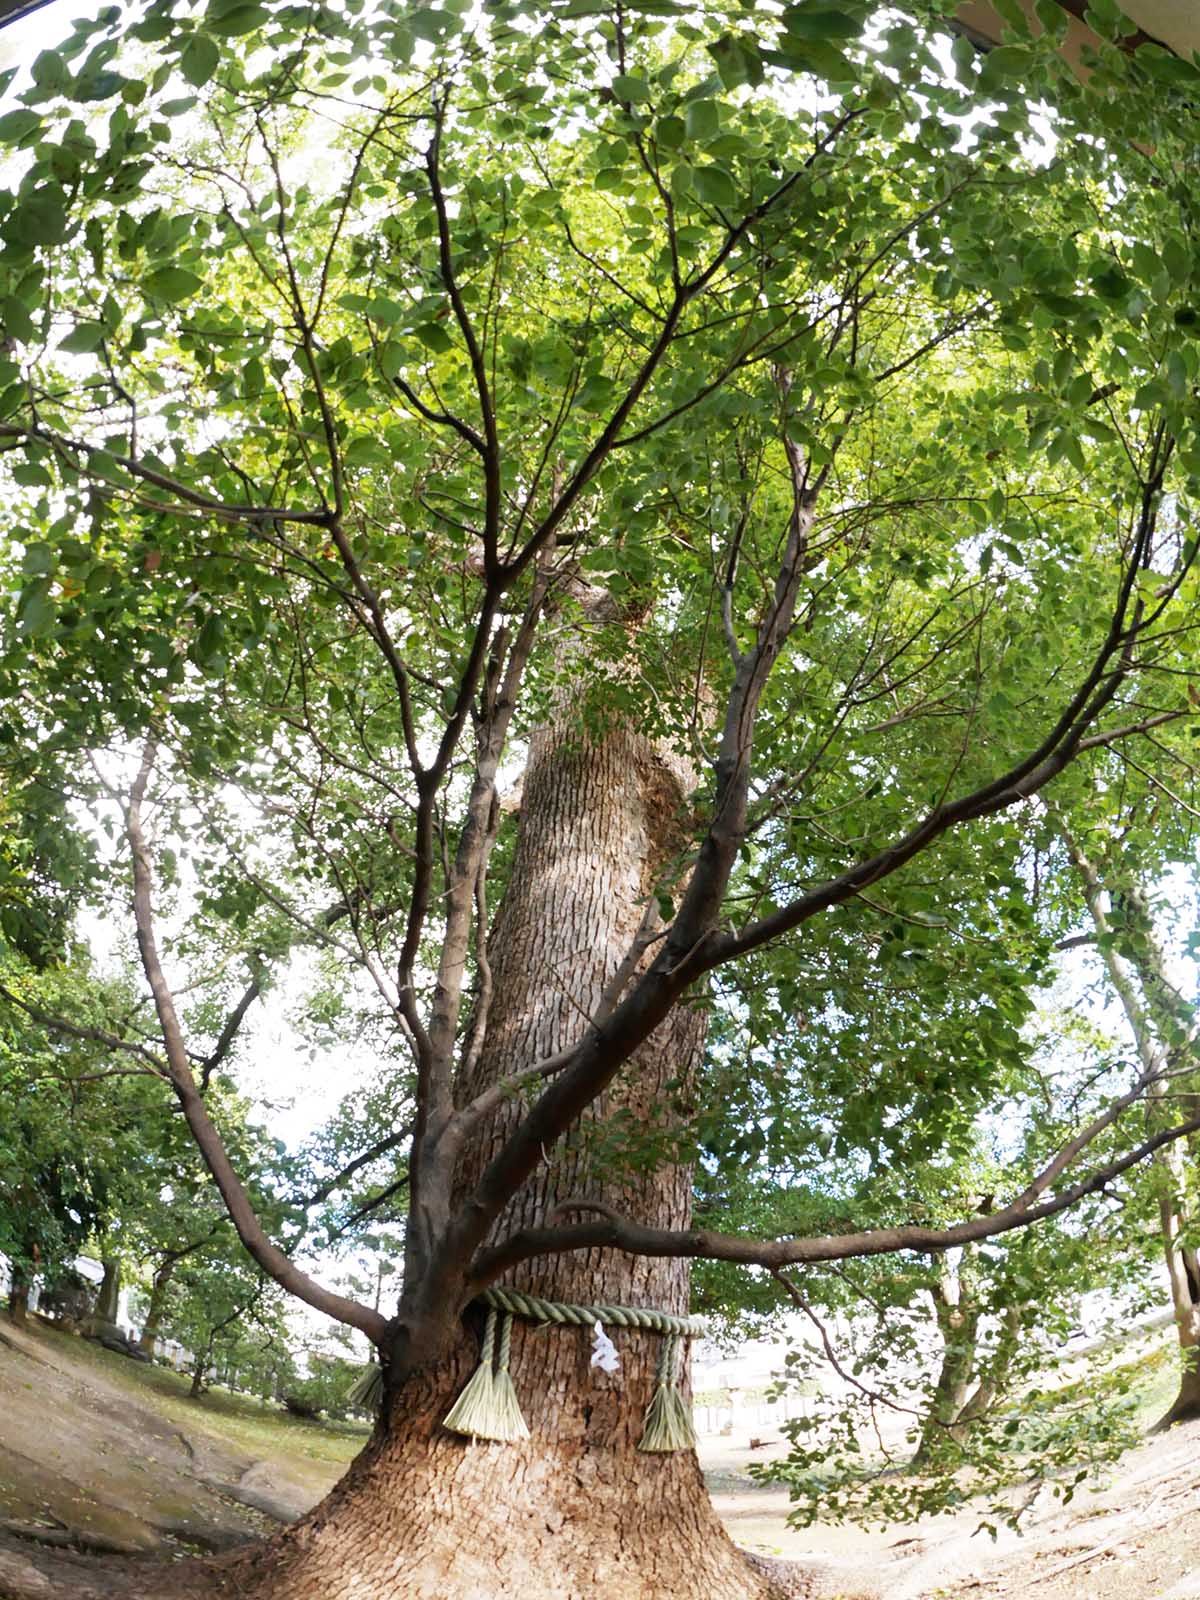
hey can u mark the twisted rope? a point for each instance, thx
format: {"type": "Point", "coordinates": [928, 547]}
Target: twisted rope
{"type": "Point", "coordinates": [666, 1360]}
{"type": "Point", "coordinates": [668, 1423]}
{"type": "Point", "coordinates": [488, 1407]}
{"type": "Point", "coordinates": [562, 1313]}
{"type": "Point", "coordinates": [489, 1340]}
{"type": "Point", "coordinates": [505, 1342]}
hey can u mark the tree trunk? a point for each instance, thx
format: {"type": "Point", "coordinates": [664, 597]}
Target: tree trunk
{"type": "Point", "coordinates": [997, 1377]}
{"type": "Point", "coordinates": [200, 1363]}
{"type": "Point", "coordinates": [1165, 1009]}
{"type": "Point", "coordinates": [957, 1311]}
{"type": "Point", "coordinates": [577, 1509]}
{"type": "Point", "coordinates": [104, 1315]}
{"type": "Point", "coordinates": [18, 1296]}
{"type": "Point", "coordinates": [1183, 1270]}
{"type": "Point", "coordinates": [156, 1310]}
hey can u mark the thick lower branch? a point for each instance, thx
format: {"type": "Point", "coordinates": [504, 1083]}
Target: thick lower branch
{"type": "Point", "coordinates": [237, 1202]}
{"type": "Point", "coordinates": [615, 1232]}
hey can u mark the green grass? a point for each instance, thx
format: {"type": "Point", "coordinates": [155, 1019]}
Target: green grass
{"type": "Point", "coordinates": [1160, 1381]}
{"type": "Point", "coordinates": [252, 1426]}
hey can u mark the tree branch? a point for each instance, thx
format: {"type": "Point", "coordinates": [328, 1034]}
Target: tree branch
{"type": "Point", "coordinates": [618, 1233]}
{"type": "Point", "coordinates": [237, 1202]}
{"type": "Point", "coordinates": [155, 1065]}
{"type": "Point", "coordinates": [228, 1033]}
{"type": "Point", "coordinates": [381, 1147]}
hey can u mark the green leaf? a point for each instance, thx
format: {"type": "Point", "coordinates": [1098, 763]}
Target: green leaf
{"type": "Point", "coordinates": [16, 320]}
{"type": "Point", "coordinates": [210, 641]}
{"type": "Point", "coordinates": [38, 560]}
{"type": "Point", "coordinates": [818, 57]}
{"type": "Point", "coordinates": [171, 283]}
{"type": "Point", "coordinates": [595, 392]}
{"type": "Point", "coordinates": [682, 180]}
{"type": "Point", "coordinates": [434, 337]}
{"type": "Point", "coordinates": [49, 72]}
{"type": "Point", "coordinates": [737, 63]}
{"type": "Point", "coordinates": [82, 340]}
{"type": "Point", "coordinates": [1008, 61]}
{"type": "Point", "coordinates": [628, 88]}
{"type": "Point", "coordinates": [199, 60]}
{"type": "Point", "coordinates": [703, 119]}
{"type": "Point", "coordinates": [391, 358]}
{"type": "Point", "coordinates": [232, 23]}
{"type": "Point", "coordinates": [39, 219]}
{"type": "Point", "coordinates": [1177, 258]}
{"type": "Point", "coordinates": [35, 610]}
{"type": "Point", "coordinates": [388, 312]}
{"type": "Point", "coordinates": [16, 126]}
{"type": "Point", "coordinates": [99, 86]}
{"type": "Point", "coordinates": [820, 22]}
{"type": "Point", "coordinates": [715, 187]}
{"type": "Point", "coordinates": [1167, 67]}
{"type": "Point", "coordinates": [1111, 283]}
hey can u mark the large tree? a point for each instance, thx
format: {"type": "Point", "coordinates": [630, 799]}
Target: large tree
{"type": "Point", "coordinates": [746, 430]}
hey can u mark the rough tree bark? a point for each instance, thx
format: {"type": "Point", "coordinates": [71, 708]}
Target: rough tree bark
{"type": "Point", "coordinates": [199, 1371]}
{"type": "Point", "coordinates": [1185, 1297]}
{"type": "Point", "coordinates": [577, 1509]}
{"type": "Point", "coordinates": [104, 1315]}
{"type": "Point", "coordinates": [955, 1404]}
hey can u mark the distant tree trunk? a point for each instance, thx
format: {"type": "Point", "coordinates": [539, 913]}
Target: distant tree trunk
{"type": "Point", "coordinates": [202, 1360]}
{"type": "Point", "coordinates": [996, 1379]}
{"type": "Point", "coordinates": [18, 1295]}
{"type": "Point", "coordinates": [199, 1369]}
{"type": "Point", "coordinates": [104, 1315]}
{"type": "Point", "coordinates": [156, 1310]}
{"type": "Point", "coordinates": [1183, 1270]}
{"type": "Point", "coordinates": [1161, 1012]}
{"type": "Point", "coordinates": [577, 1510]}
{"type": "Point", "coordinates": [957, 1311]}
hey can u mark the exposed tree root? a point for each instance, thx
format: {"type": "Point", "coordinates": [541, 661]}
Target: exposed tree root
{"type": "Point", "coordinates": [34, 1571]}
{"type": "Point", "coordinates": [788, 1580]}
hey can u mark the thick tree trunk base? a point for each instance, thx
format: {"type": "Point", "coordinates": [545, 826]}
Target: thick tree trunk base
{"type": "Point", "coordinates": [428, 1516]}
{"type": "Point", "coordinates": [425, 1515]}
{"type": "Point", "coordinates": [28, 1572]}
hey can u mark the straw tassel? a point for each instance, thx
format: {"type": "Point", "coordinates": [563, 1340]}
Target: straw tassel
{"type": "Point", "coordinates": [487, 1408]}
{"type": "Point", "coordinates": [366, 1392]}
{"type": "Point", "coordinates": [508, 1407]}
{"type": "Point", "coordinates": [668, 1424]}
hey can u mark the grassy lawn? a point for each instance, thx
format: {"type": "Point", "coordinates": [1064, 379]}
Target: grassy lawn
{"type": "Point", "coordinates": [239, 1421]}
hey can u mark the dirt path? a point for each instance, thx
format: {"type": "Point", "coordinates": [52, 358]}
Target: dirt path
{"type": "Point", "coordinates": [1133, 1535]}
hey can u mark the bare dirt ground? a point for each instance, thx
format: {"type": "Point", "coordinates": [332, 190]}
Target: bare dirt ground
{"type": "Point", "coordinates": [1134, 1534]}
{"type": "Point", "coordinates": [100, 1454]}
